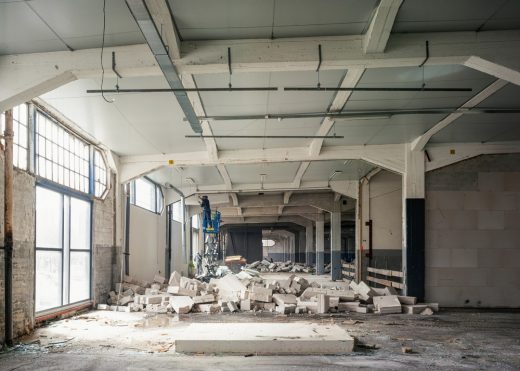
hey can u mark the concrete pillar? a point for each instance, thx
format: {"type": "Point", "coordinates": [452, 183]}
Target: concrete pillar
{"type": "Point", "coordinates": [302, 246]}
{"type": "Point", "coordinates": [335, 245]}
{"type": "Point", "coordinates": [309, 244]}
{"type": "Point", "coordinates": [320, 246]}
{"type": "Point", "coordinates": [364, 195]}
{"type": "Point", "coordinates": [414, 224]}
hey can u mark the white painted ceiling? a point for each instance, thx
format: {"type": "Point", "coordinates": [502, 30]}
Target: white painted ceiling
{"type": "Point", "coordinates": [38, 25]}
{"type": "Point", "coordinates": [153, 123]}
{"type": "Point", "coordinates": [246, 19]}
{"type": "Point", "coordinates": [457, 15]}
{"type": "Point", "coordinates": [347, 170]}
{"type": "Point", "coordinates": [133, 123]}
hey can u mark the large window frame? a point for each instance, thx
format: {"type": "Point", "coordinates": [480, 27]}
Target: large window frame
{"type": "Point", "coordinates": [65, 246]}
{"type": "Point", "coordinates": [157, 204]}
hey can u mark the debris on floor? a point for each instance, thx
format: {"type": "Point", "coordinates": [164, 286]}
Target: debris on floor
{"type": "Point", "coordinates": [248, 291]}
{"type": "Point", "coordinates": [264, 266]}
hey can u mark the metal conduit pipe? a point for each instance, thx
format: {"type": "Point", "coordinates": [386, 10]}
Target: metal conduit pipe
{"type": "Point", "coordinates": [183, 215]}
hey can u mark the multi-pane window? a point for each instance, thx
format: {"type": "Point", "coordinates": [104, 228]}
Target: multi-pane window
{"type": "Point", "coordinates": [60, 155]}
{"type": "Point", "coordinates": [100, 174]}
{"type": "Point", "coordinates": [21, 137]}
{"type": "Point", "coordinates": [63, 226]}
{"type": "Point", "coordinates": [146, 194]}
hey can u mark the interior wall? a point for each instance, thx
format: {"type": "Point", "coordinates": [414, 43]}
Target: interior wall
{"type": "Point", "coordinates": [179, 261]}
{"type": "Point", "coordinates": [106, 255]}
{"type": "Point", "coordinates": [23, 252]}
{"type": "Point", "coordinates": [473, 233]}
{"type": "Point", "coordinates": [386, 210]}
{"type": "Point", "coordinates": [147, 243]}
{"type": "Point", "coordinates": [276, 252]}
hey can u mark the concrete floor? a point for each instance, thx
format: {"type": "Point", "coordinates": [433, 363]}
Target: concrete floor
{"type": "Point", "coordinates": [139, 341]}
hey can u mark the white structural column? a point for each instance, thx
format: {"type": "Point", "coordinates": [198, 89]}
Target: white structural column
{"type": "Point", "coordinates": [364, 213]}
{"type": "Point", "coordinates": [414, 224]}
{"type": "Point", "coordinates": [335, 246]}
{"type": "Point", "coordinates": [309, 243]}
{"type": "Point", "coordinates": [320, 246]}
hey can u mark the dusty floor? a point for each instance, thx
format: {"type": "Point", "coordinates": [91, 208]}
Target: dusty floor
{"type": "Point", "coordinates": [139, 341]}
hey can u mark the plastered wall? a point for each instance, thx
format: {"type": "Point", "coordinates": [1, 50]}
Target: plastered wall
{"type": "Point", "coordinates": [473, 233]}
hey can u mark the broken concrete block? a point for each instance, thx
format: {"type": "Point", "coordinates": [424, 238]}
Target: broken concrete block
{"type": "Point", "coordinates": [427, 311]}
{"type": "Point", "coordinates": [156, 308]}
{"type": "Point", "coordinates": [362, 309]}
{"type": "Point", "coordinates": [432, 306]}
{"type": "Point", "coordinates": [175, 279]}
{"type": "Point", "coordinates": [407, 300]}
{"type": "Point", "coordinates": [125, 300]}
{"type": "Point", "coordinates": [102, 307]}
{"type": "Point", "coordinates": [156, 286]}
{"type": "Point", "coordinates": [413, 309]}
{"type": "Point", "coordinates": [262, 294]}
{"type": "Point", "coordinates": [181, 304]}
{"type": "Point", "coordinates": [333, 302]}
{"type": "Point", "coordinates": [286, 308]}
{"type": "Point", "coordinates": [151, 299]}
{"type": "Point", "coordinates": [245, 304]}
{"type": "Point", "coordinates": [232, 306]}
{"type": "Point", "coordinates": [182, 291]}
{"type": "Point", "coordinates": [364, 291]}
{"type": "Point", "coordinates": [348, 306]}
{"type": "Point", "coordinates": [281, 299]}
{"type": "Point", "coordinates": [323, 303]}
{"type": "Point", "coordinates": [387, 304]}
{"type": "Point", "coordinates": [159, 279]}
{"type": "Point", "coordinates": [121, 308]}
{"type": "Point", "coordinates": [390, 291]}
{"type": "Point", "coordinates": [208, 308]}
{"type": "Point", "coordinates": [208, 298]}
{"type": "Point", "coordinates": [150, 291]}
{"type": "Point", "coordinates": [300, 309]}
{"type": "Point", "coordinates": [270, 307]}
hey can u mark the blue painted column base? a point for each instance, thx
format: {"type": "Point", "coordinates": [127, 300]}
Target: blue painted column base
{"type": "Point", "coordinates": [320, 260]}
{"type": "Point", "coordinates": [335, 266]}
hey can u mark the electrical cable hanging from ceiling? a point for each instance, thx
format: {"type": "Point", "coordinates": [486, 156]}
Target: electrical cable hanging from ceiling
{"type": "Point", "coordinates": [102, 49]}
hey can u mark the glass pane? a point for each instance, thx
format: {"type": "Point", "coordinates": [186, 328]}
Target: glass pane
{"type": "Point", "coordinates": [48, 279]}
{"type": "Point", "coordinates": [145, 194]}
{"type": "Point", "coordinates": [80, 224]}
{"type": "Point", "coordinates": [177, 211]}
{"type": "Point", "coordinates": [48, 218]}
{"type": "Point", "coordinates": [79, 276]}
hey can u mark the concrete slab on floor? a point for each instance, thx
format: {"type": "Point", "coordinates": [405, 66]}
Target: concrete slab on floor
{"type": "Point", "coordinates": [264, 338]}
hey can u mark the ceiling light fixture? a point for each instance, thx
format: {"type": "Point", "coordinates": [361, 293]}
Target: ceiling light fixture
{"type": "Point", "coordinates": [186, 90]}
{"type": "Point", "coordinates": [334, 88]}
{"type": "Point", "coordinates": [362, 114]}
{"type": "Point", "coordinates": [267, 136]}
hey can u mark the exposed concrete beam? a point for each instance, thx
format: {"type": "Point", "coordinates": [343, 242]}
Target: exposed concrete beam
{"type": "Point", "coordinates": [446, 154]}
{"type": "Point", "coordinates": [419, 143]}
{"type": "Point", "coordinates": [269, 211]}
{"type": "Point", "coordinates": [347, 188]}
{"type": "Point", "coordinates": [267, 220]}
{"type": "Point", "coordinates": [225, 175]}
{"type": "Point", "coordinates": [350, 80]}
{"type": "Point", "coordinates": [340, 52]}
{"type": "Point", "coordinates": [494, 67]}
{"type": "Point", "coordinates": [234, 198]}
{"type": "Point", "coordinates": [389, 156]}
{"type": "Point", "coordinates": [26, 76]}
{"type": "Point", "coordinates": [287, 197]}
{"type": "Point", "coordinates": [300, 173]}
{"type": "Point", "coordinates": [381, 25]}
{"type": "Point", "coordinates": [163, 20]}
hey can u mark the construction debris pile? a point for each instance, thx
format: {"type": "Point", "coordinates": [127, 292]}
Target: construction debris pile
{"type": "Point", "coordinates": [265, 266]}
{"type": "Point", "coordinates": [247, 291]}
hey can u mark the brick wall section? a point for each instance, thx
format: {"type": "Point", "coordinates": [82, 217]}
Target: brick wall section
{"type": "Point", "coordinates": [23, 254]}
{"type": "Point", "coordinates": [103, 258]}
{"type": "Point", "coordinates": [105, 253]}
{"type": "Point", "coordinates": [473, 233]}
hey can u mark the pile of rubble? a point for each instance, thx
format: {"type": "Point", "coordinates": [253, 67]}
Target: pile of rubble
{"type": "Point", "coordinates": [264, 266]}
{"type": "Point", "coordinates": [247, 291]}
